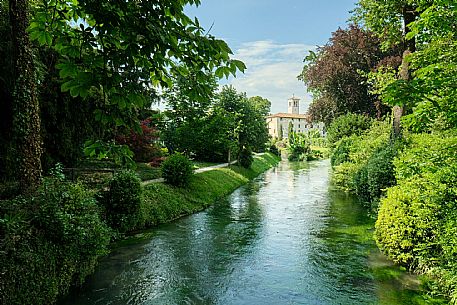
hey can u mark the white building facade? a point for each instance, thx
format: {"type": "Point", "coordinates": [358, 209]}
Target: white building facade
{"type": "Point", "coordinates": [278, 124]}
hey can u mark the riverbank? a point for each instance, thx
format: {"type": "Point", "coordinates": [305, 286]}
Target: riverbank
{"type": "Point", "coordinates": [286, 237]}
{"type": "Point", "coordinates": [164, 203]}
{"type": "Point", "coordinates": [52, 240]}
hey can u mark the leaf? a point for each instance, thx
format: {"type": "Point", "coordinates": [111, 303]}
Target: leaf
{"type": "Point", "coordinates": [239, 64]}
{"type": "Point", "coordinates": [219, 72]}
{"type": "Point", "coordinates": [67, 86]}
{"type": "Point", "coordinates": [67, 69]}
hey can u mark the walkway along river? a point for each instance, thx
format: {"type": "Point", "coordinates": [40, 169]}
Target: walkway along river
{"type": "Point", "coordinates": [285, 238]}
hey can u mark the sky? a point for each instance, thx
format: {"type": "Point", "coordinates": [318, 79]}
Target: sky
{"type": "Point", "coordinates": [272, 37]}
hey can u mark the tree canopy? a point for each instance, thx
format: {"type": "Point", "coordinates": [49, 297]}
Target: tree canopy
{"type": "Point", "coordinates": [123, 50]}
{"type": "Point", "coordinates": [337, 74]}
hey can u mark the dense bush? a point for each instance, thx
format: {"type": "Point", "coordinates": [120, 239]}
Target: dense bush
{"type": "Point", "coordinates": [49, 242]}
{"type": "Point", "coordinates": [177, 170]}
{"type": "Point", "coordinates": [376, 175]}
{"type": "Point", "coordinates": [246, 158]}
{"type": "Point", "coordinates": [123, 202]}
{"type": "Point", "coordinates": [347, 125]}
{"type": "Point", "coordinates": [341, 152]}
{"type": "Point", "coordinates": [299, 147]}
{"type": "Point", "coordinates": [380, 170]}
{"type": "Point", "coordinates": [417, 218]}
{"type": "Point", "coordinates": [356, 151]}
{"type": "Point", "coordinates": [274, 150]}
{"type": "Point", "coordinates": [143, 144]}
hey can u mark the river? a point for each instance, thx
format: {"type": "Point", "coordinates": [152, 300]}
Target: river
{"type": "Point", "coordinates": [285, 238]}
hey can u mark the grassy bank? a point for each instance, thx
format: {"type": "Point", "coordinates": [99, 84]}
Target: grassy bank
{"type": "Point", "coordinates": [53, 239]}
{"type": "Point", "coordinates": [163, 203]}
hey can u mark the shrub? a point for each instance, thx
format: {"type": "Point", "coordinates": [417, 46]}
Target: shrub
{"type": "Point", "coordinates": [299, 147]}
{"type": "Point", "coordinates": [177, 170]}
{"type": "Point", "coordinates": [274, 150]}
{"type": "Point", "coordinates": [356, 151]}
{"type": "Point", "coordinates": [416, 223]}
{"type": "Point", "coordinates": [408, 224]}
{"type": "Point", "coordinates": [376, 175]}
{"type": "Point", "coordinates": [380, 170]}
{"type": "Point", "coordinates": [49, 242]}
{"type": "Point", "coordinates": [426, 153]}
{"type": "Point", "coordinates": [142, 143]}
{"type": "Point", "coordinates": [341, 152]}
{"type": "Point", "coordinates": [123, 202]}
{"type": "Point", "coordinates": [347, 125]}
{"type": "Point", "coordinates": [246, 157]}
{"type": "Point", "coordinates": [361, 185]}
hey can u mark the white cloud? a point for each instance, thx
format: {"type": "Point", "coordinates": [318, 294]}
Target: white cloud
{"type": "Point", "coordinates": [272, 71]}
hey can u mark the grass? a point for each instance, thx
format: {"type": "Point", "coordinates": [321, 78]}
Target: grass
{"type": "Point", "coordinates": [147, 172]}
{"type": "Point", "coordinates": [325, 151]}
{"type": "Point", "coordinates": [201, 164]}
{"type": "Point", "coordinates": [164, 203]}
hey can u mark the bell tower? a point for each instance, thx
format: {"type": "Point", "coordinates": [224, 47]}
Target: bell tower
{"type": "Point", "coordinates": [294, 105]}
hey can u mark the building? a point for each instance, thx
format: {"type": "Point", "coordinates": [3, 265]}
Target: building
{"type": "Point", "coordinates": [278, 124]}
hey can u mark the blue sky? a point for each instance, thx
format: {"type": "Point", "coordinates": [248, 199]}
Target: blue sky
{"type": "Point", "coordinates": [272, 37]}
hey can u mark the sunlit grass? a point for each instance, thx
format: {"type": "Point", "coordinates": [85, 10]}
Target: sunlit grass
{"type": "Point", "coordinates": [164, 203]}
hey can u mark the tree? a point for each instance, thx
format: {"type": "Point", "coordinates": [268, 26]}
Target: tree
{"type": "Point", "coordinates": [280, 133]}
{"type": "Point", "coordinates": [110, 55]}
{"type": "Point", "coordinates": [247, 129]}
{"type": "Point", "coordinates": [337, 74]}
{"type": "Point", "coordinates": [391, 20]}
{"type": "Point", "coordinates": [26, 153]}
{"type": "Point", "coordinates": [431, 92]}
{"type": "Point", "coordinates": [322, 109]}
{"type": "Point", "coordinates": [122, 50]}
{"type": "Point", "coordinates": [188, 103]}
{"type": "Point", "coordinates": [261, 104]}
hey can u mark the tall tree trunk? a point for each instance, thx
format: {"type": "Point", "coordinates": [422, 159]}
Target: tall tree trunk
{"type": "Point", "coordinates": [409, 15]}
{"type": "Point", "coordinates": [26, 111]}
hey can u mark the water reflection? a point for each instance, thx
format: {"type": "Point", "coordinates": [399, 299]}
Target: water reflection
{"type": "Point", "coordinates": [285, 238]}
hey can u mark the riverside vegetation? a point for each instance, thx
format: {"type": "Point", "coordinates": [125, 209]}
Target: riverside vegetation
{"type": "Point", "coordinates": [385, 86]}
{"type": "Point", "coordinates": [52, 240]}
{"type": "Point", "coordinates": [410, 186]}
{"type": "Point", "coordinates": [394, 69]}
{"type": "Point", "coordinates": [108, 61]}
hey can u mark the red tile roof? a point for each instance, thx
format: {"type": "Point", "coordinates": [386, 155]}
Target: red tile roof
{"type": "Point", "coordinates": [289, 116]}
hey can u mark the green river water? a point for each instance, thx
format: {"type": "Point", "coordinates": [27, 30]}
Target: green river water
{"type": "Point", "coordinates": [285, 238]}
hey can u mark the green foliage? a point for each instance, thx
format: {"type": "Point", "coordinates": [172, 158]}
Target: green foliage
{"type": "Point", "coordinates": [431, 35]}
{"type": "Point", "coordinates": [164, 203]}
{"type": "Point", "coordinates": [299, 147]}
{"type": "Point", "coordinates": [246, 158]}
{"type": "Point", "coordinates": [136, 44]}
{"type": "Point", "coordinates": [426, 153]}
{"type": "Point", "coordinates": [380, 170]}
{"type": "Point", "coordinates": [376, 175]}
{"type": "Point", "coordinates": [416, 222]}
{"type": "Point", "coordinates": [356, 151]}
{"type": "Point", "coordinates": [347, 125]}
{"type": "Point", "coordinates": [340, 153]}
{"type": "Point", "coordinates": [177, 170]}
{"type": "Point", "coordinates": [123, 202]}
{"type": "Point", "coordinates": [49, 242]}
{"type": "Point", "coordinates": [383, 18]}
{"type": "Point", "coordinates": [100, 150]}
{"type": "Point", "coordinates": [245, 118]}
{"type": "Point", "coordinates": [208, 127]}
{"type": "Point", "coordinates": [261, 104]}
